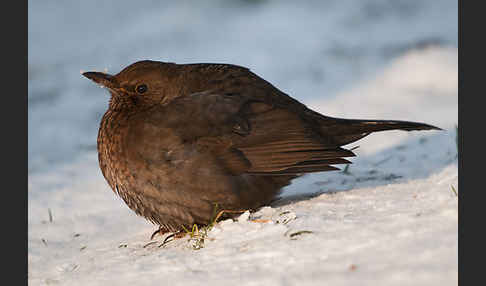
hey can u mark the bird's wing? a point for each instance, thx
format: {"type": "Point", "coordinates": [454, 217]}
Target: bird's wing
{"type": "Point", "coordinates": [251, 136]}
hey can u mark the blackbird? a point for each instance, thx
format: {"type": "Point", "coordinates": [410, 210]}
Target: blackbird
{"type": "Point", "coordinates": [179, 139]}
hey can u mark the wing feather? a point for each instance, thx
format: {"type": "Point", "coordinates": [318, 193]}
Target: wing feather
{"type": "Point", "coordinates": [256, 137]}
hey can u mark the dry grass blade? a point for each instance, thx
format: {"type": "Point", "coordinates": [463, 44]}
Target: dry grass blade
{"type": "Point", "coordinates": [454, 190]}
{"type": "Point", "coordinates": [300, 233]}
{"type": "Point", "coordinates": [50, 214]}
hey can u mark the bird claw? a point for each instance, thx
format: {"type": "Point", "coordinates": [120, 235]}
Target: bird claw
{"type": "Point", "coordinates": [174, 236]}
{"type": "Point", "coordinates": [159, 231]}
{"type": "Point", "coordinates": [227, 211]}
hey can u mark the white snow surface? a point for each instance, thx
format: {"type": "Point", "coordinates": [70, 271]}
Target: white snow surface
{"type": "Point", "coordinates": [391, 219]}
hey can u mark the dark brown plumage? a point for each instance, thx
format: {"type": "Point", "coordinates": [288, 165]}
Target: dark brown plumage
{"type": "Point", "coordinates": [178, 139]}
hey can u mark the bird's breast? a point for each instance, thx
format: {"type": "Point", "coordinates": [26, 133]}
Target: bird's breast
{"type": "Point", "coordinates": [111, 135]}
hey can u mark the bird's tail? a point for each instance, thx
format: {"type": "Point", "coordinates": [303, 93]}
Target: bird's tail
{"type": "Point", "coordinates": [345, 131]}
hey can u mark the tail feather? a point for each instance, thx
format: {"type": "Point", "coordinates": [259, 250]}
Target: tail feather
{"type": "Point", "coordinates": [345, 131]}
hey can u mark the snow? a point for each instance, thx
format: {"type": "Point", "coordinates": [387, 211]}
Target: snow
{"type": "Point", "coordinates": [390, 219]}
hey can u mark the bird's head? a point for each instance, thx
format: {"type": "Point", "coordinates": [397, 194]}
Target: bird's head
{"type": "Point", "coordinates": [140, 84]}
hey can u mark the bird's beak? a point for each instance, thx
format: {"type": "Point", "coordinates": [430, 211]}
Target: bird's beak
{"type": "Point", "coordinates": [103, 79]}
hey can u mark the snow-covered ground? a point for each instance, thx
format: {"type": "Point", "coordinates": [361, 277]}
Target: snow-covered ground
{"type": "Point", "coordinates": [390, 219]}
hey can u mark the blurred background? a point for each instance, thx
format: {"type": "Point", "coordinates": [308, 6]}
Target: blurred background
{"type": "Point", "coordinates": [309, 49]}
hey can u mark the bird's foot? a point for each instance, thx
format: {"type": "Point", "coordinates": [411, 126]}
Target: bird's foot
{"type": "Point", "coordinates": [220, 213]}
{"type": "Point", "coordinates": [172, 237]}
{"type": "Point", "coordinates": [159, 231]}
{"type": "Point", "coordinates": [239, 212]}
{"type": "Point", "coordinates": [261, 220]}
{"type": "Point", "coordinates": [169, 238]}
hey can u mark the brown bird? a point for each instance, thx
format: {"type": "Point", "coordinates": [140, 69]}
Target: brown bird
{"type": "Point", "coordinates": [178, 140]}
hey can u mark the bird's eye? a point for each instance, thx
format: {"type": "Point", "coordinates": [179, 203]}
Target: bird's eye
{"type": "Point", "coordinates": [141, 88]}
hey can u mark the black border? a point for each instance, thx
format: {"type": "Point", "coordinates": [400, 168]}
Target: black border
{"type": "Point", "coordinates": [460, 130]}
{"type": "Point", "coordinates": [14, 187]}
{"type": "Point", "coordinates": [471, 117]}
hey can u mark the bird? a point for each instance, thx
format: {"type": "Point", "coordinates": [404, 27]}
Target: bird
{"type": "Point", "coordinates": [178, 140]}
